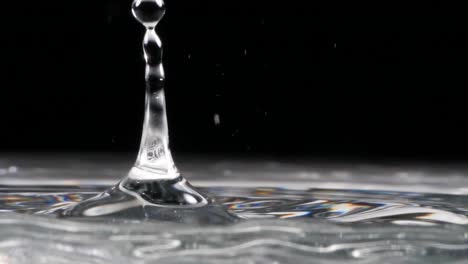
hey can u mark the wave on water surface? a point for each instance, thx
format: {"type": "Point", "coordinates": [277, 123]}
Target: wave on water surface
{"type": "Point", "coordinates": [279, 226]}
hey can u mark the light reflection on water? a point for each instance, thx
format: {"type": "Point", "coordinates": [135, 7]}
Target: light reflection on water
{"type": "Point", "coordinates": [268, 203]}
{"type": "Point", "coordinates": [328, 226]}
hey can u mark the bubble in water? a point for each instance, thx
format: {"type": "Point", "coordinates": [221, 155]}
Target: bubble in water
{"type": "Point", "coordinates": [148, 12]}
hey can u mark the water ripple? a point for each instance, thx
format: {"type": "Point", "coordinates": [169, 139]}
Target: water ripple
{"type": "Point", "coordinates": [328, 226]}
{"type": "Point", "coordinates": [26, 237]}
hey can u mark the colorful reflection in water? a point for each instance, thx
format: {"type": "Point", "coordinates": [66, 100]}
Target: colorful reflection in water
{"type": "Point", "coordinates": [342, 206]}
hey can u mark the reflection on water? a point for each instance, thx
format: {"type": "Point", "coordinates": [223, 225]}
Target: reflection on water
{"type": "Point", "coordinates": [280, 226]}
{"type": "Point", "coordinates": [268, 203]}
{"type": "Point", "coordinates": [348, 205]}
{"type": "Point", "coordinates": [350, 216]}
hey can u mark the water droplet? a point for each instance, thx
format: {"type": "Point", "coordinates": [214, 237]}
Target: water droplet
{"type": "Point", "coordinates": [235, 132]}
{"type": "Point", "coordinates": [217, 119]}
{"type": "Point", "coordinates": [148, 12]}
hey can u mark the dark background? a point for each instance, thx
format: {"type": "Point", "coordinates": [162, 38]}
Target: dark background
{"type": "Point", "coordinates": [317, 78]}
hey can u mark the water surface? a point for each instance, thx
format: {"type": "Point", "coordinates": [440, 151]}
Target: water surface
{"type": "Point", "coordinates": [291, 212]}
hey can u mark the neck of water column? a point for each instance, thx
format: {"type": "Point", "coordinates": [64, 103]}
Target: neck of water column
{"type": "Point", "coordinates": [154, 159]}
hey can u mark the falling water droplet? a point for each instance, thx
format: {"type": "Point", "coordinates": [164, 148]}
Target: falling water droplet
{"type": "Point", "coordinates": [148, 12]}
{"type": "Point", "coordinates": [217, 119]}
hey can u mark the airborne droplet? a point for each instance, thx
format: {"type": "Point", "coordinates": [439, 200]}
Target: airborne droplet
{"type": "Point", "coordinates": [148, 12]}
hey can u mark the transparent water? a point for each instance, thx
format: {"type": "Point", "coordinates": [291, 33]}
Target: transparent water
{"type": "Point", "coordinates": [290, 212]}
{"type": "Point", "coordinates": [153, 188]}
{"type": "Point", "coordinates": [69, 210]}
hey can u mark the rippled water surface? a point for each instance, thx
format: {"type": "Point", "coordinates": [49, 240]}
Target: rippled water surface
{"type": "Point", "coordinates": [319, 215]}
{"type": "Point", "coordinates": [282, 225]}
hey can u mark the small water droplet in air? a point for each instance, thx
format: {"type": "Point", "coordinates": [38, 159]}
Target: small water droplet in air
{"type": "Point", "coordinates": [235, 132]}
{"type": "Point", "coordinates": [148, 12]}
{"type": "Point", "coordinates": [217, 119]}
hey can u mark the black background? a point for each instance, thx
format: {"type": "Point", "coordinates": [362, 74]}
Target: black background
{"type": "Point", "coordinates": [321, 78]}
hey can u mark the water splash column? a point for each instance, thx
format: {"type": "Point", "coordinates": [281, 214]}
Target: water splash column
{"type": "Point", "coordinates": [154, 158]}
{"type": "Point", "coordinates": [153, 189]}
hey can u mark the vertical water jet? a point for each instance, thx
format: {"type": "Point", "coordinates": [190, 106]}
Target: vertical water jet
{"type": "Point", "coordinates": [153, 189]}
